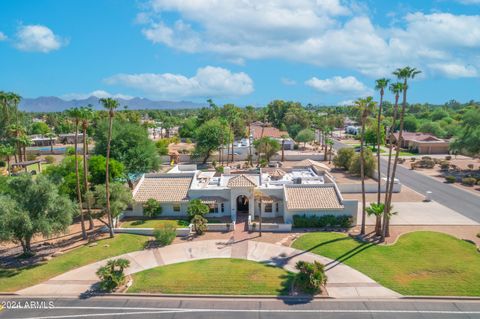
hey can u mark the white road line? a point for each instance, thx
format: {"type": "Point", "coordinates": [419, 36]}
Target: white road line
{"type": "Point", "coordinates": [193, 310]}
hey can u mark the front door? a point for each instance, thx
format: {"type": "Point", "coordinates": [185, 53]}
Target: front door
{"type": "Point", "coordinates": [242, 205]}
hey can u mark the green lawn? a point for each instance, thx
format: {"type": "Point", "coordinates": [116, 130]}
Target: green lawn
{"type": "Point", "coordinates": [154, 223]}
{"type": "Point", "coordinates": [420, 263]}
{"type": "Point", "coordinates": [15, 279]}
{"type": "Point", "coordinates": [214, 276]}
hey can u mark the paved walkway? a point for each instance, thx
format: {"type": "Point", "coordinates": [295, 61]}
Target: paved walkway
{"type": "Point", "coordinates": [343, 281]}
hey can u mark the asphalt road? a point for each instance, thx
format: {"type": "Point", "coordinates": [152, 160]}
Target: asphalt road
{"type": "Point", "coordinates": [464, 202]}
{"type": "Point", "coordinates": [169, 308]}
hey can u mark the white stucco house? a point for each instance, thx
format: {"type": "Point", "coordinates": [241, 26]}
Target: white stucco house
{"type": "Point", "coordinates": [280, 193]}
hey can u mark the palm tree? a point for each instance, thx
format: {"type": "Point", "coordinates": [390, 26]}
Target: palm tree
{"type": "Point", "coordinates": [24, 141]}
{"type": "Point", "coordinates": [76, 114]}
{"type": "Point", "coordinates": [376, 209]}
{"type": "Point", "coordinates": [396, 89]}
{"type": "Point", "coordinates": [16, 131]}
{"type": "Point", "coordinates": [6, 151]}
{"type": "Point", "coordinates": [404, 74]}
{"type": "Point", "coordinates": [110, 104]}
{"type": "Point", "coordinates": [86, 114]}
{"type": "Point", "coordinates": [249, 118]}
{"type": "Point", "coordinates": [365, 107]}
{"type": "Point", "coordinates": [50, 135]}
{"type": "Point", "coordinates": [284, 136]}
{"type": "Point", "coordinates": [381, 84]}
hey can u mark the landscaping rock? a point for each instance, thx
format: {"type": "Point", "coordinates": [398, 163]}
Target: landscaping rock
{"type": "Point", "coordinates": [93, 245]}
{"type": "Point", "coordinates": [57, 253]}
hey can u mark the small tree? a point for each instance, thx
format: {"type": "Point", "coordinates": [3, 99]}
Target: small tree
{"type": "Point", "coordinates": [376, 209]}
{"type": "Point", "coordinates": [344, 157]}
{"type": "Point", "coordinates": [266, 146]}
{"type": "Point", "coordinates": [197, 208]}
{"type": "Point", "coordinates": [311, 276]}
{"type": "Point", "coordinates": [165, 235]}
{"type": "Point", "coordinates": [369, 167]}
{"type": "Point", "coordinates": [120, 198]}
{"type": "Point", "coordinates": [152, 208]}
{"type": "Point", "coordinates": [199, 224]}
{"type": "Point", "coordinates": [112, 274]}
{"type": "Point", "coordinates": [33, 207]}
{"type": "Point", "coordinates": [304, 136]}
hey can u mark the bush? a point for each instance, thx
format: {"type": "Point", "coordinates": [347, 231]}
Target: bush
{"type": "Point", "coordinates": [448, 157]}
{"type": "Point", "coordinates": [311, 276]}
{"type": "Point", "coordinates": [469, 181]}
{"type": "Point", "coordinates": [70, 150]}
{"type": "Point", "coordinates": [450, 179]}
{"type": "Point", "coordinates": [312, 221]}
{"type": "Point", "coordinates": [412, 159]}
{"type": "Point", "coordinates": [426, 158]}
{"type": "Point", "coordinates": [444, 166]}
{"type": "Point", "coordinates": [3, 163]}
{"type": "Point", "coordinates": [199, 224]}
{"type": "Point", "coordinates": [152, 208]}
{"type": "Point", "coordinates": [112, 274]}
{"type": "Point", "coordinates": [49, 159]}
{"type": "Point", "coordinates": [31, 156]}
{"type": "Point", "coordinates": [370, 163]}
{"type": "Point", "coordinates": [165, 235]}
{"type": "Point", "coordinates": [344, 158]}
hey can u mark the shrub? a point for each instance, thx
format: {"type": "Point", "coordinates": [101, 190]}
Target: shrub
{"type": "Point", "coordinates": [199, 224]}
{"type": "Point", "coordinates": [3, 163]}
{"type": "Point", "coordinates": [426, 158]}
{"type": "Point", "coordinates": [469, 181]}
{"type": "Point", "coordinates": [152, 208]}
{"type": "Point", "coordinates": [188, 141]}
{"type": "Point", "coordinates": [370, 163]}
{"type": "Point", "coordinates": [448, 157]}
{"type": "Point", "coordinates": [112, 274]}
{"type": "Point", "coordinates": [312, 221]}
{"type": "Point", "coordinates": [165, 235]}
{"type": "Point", "coordinates": [197, 208]}
{"type": "Point", "coordinates": [219, 169]}
{"type": "Point", "coordinates": [444, 166]}
{"type": "Point", "coordinates": [49, 159]}
{"type": "Point", "coordinates": [450, 179]}
{"type": "Point", "coordinates": [412, 159]}
{"type": "Point", "coordinates": [31, 156]}
{"type": "Point", "coordinates": [478, 182]}
{"type": "Point", "coordinates": [70, 151]}
{"type": "Point", "coordinates": [344, 158]}
{"type": "Point", "coordinates": [311, 276]}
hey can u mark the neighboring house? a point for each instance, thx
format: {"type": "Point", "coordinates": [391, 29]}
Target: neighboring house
{"type": "Point", "coordinates": [423, 143]}
{"type": "Point", "coordinates": [278, 193]}
{"type": "Point", "coordinates": [258, 127]}
{"type": "Point", "coordinates": [40, 140]}
{"type": "Point", "coordinates": [353, 130]}
{"type": "Point", "coordinates": [70, 138]}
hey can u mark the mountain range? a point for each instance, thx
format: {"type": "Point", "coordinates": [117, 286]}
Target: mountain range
{"type": "Point", "coordinates": [56, 104]}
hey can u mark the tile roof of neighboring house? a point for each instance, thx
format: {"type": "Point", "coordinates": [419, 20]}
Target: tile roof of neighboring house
{"type": "Point", "coordinates": [241, 181]}
{"type": "Point", "coordinates": [163, 188]}
{"type": "Point", "coordinates": [418, 136]}
{"type": "Point", "coordinates": [306, 197]}
{"type": "Point", "coordinates": [267, 131]}
{"type": "Point", "coordinates": [308, 163]}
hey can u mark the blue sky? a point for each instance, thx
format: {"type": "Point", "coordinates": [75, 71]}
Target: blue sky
{"type": "Point", "coordinates": [244, 52]}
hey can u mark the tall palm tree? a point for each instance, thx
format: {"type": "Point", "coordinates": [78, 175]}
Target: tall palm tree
{"type": "Point", "coordinates": [380, 85]}
{"type": "Point", "coordinates": [86, 114]}
{"type": "Point", "coordinates": [76, 114]}
{"type": "Point", "coordinates": [404, 74]}
{"type": "Point", "coordinates": [396, 89]}
{"type": "Point", "coordinates": [15, 132]}
{"type": "Point", "coordinates": [110, 104]}
{"type": "Point", "coordinates": [365, 107]}
{"type": "Point", "coordinates": [249, 118]}
{"type": "Point", "coordinates": [6, 151]}
{"type": "Point", "coordinates": [50, 135]}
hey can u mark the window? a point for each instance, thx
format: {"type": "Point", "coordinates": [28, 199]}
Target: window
{"type": "Point", "coordinates": [268, 208]}
{"type": "Point", "coordinates": [222, 207]}
{"type": "Point", "coordinates": [276, 207]}
{"type": "Point", "coordinates": [213, 208]}
{"type": "Point", "coordinates": [176, 207]}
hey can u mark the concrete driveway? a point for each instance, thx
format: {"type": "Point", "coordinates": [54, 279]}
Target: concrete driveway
{"type": "Point", "coordinates": [421, 214]}
{"type": "Point", "coordinates": [343, 281]}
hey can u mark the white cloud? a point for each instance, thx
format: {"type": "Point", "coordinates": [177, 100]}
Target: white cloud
{"type": "Point", "coordinates": [209, 81]}
{"type": "Point", "coordinates": [38, 38]}
{"type": "Point", "coordinates": [98, 93]}
{"type": "Point", "coordinates": [453, 70]}
{"type": "Point", "coordinates": [287, 81]}
{"type": "Point", "coordinates": [346, 103]}
{"type": "Point", "coordinates": [3, 37]}
{"type": "Point", "coordinates": [469, 1]}
{"type": "Point", "coordinates": [339, 85]}
{"type": "Point", "coordinates": [323, 33]}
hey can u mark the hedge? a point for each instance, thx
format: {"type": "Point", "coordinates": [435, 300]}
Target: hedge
{"type": "Point", "coordinates": [312, 221]}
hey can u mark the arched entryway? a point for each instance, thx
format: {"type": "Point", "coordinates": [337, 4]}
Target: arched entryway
{"type": "Point", "coordinates": [242, 205]}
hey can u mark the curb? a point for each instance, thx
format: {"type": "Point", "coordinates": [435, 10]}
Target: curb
{"type": "Point", "coordinates": [300, 297]}
{"type": "Point", "coordinates": [472, 298]}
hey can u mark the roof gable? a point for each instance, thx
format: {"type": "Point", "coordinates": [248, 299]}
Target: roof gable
{"type": "Point", "coordinates": [241, 181]}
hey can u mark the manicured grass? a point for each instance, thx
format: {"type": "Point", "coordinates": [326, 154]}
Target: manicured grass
{"type": "Point", "coordinates": [420, 263]}
{"type": "Point", "coordinates": [214, 276]}
{"type": "Point", "coordinates": [15, 279]}
{"type": "Point", "coordinates": [154, 223]}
